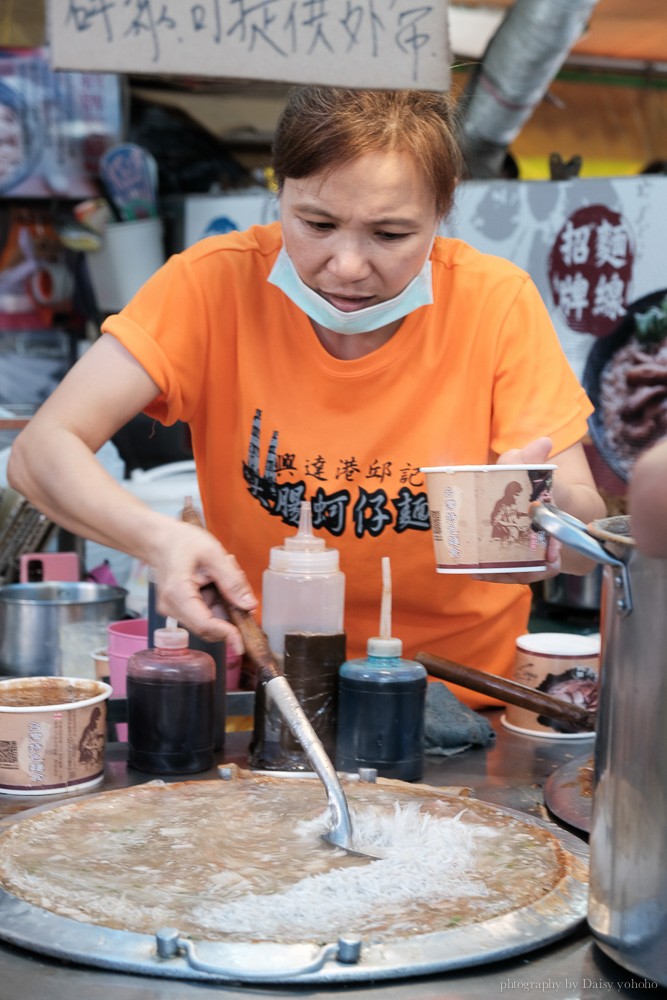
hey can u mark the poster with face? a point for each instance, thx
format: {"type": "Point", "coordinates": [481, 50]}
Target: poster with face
{"type": "Point", "coordinates": [54, 127]}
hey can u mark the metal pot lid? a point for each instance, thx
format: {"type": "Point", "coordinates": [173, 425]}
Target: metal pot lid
{"type": "Point", "coordinates": [522, 883]}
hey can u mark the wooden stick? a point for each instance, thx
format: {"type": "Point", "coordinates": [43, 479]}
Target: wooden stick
{"type": "Point", "coordinates": [256, 644]}
{"type": "Point", "coordinates": [508, 691]}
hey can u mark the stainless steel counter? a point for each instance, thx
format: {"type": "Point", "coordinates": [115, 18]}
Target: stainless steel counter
{"type": "Point", "coordinates": [512, 774]}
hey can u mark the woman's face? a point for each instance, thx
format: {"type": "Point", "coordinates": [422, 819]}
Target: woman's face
{"type": "Point", "coordinates": [357, 235]}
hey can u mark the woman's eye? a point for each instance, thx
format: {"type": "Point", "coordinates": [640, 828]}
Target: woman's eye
{"type": "Point", "coordinates": [320, 227]}
{"type": "Point", "coordinates": [392, 236]}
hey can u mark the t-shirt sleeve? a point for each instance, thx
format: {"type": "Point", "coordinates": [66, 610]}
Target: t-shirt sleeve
{"type": "Point", "coordinates": [165, 327]}
{"type": "Point", "coordinates": [536, 393]}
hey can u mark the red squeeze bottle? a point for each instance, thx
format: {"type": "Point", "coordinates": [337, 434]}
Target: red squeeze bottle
{"type": "Point", "coordinates": [170, 705]}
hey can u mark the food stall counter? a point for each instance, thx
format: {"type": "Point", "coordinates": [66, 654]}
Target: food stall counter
{"type": "Point", "coordinates": [510, 774]}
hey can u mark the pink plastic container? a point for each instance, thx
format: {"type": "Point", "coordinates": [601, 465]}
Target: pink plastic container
{"type": "Point", "coordinates": [124, 639]}
{"type": "Point", "coordinates": [233, 665]}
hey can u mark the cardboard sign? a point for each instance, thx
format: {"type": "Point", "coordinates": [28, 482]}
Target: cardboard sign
{"type": "Point", "coordinates": [354, 43]}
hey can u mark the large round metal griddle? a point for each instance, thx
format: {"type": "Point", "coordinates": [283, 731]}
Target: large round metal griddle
{"type": "Point", "coordinates": [352, 956]}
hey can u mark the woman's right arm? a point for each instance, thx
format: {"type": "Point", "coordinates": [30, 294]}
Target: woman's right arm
{"type": "Point", "coordinates": [53, 464]}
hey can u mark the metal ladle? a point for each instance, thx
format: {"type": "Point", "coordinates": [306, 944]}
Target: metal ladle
{"type": "Point", "coordinates": [278, 689]}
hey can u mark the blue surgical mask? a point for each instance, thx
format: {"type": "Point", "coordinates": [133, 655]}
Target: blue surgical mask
{"type": "Point", "coordinates": [419, 292]}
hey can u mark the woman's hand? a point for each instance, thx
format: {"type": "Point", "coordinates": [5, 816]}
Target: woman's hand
{"type": "Point", "coordinates": [189, 562]}
{"type": "Point", "coordinates": [535, 453]}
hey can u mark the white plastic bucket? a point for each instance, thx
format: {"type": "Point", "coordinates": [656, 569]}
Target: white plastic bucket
{"type": "Point", "coordinates": [131, 253]}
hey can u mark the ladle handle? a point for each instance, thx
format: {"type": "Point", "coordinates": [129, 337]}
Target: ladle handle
{"type": "Point", "coordinates": [287, 704]}
{"type": "Point", "coordinates": [573, 533]}
{"type": "Point", "coordinates": [256, 644]}
{"type": "Point", "coordinates": [259, 653]}
{"type": "Point", "coordinates": [508, 691]}
{"type": "Point", "coordinates": [570, 532]}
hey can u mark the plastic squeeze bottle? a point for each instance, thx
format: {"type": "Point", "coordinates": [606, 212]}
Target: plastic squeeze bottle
{"type": "Point", "coordinates": [303, 597]}
{"type": "Point", "coordinates": [381, 703]}
{"type": "Point", "coordinates": [170, 705]}
{"type": "Point", "coordinates": [303, 590]}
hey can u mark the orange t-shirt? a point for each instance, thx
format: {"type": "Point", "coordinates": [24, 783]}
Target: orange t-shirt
{"type": "Point", "coordinates": [275, 419]}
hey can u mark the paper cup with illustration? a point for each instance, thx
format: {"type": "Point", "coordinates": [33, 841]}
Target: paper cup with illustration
{"type": "Point", "coordinates": [480, 517]}
{"type": "Point", "coordinates": [52, 734]}
{"type": "Point", "coordinates": [562, 664]}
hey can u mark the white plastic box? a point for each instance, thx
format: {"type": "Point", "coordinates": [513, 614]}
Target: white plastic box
{"type": "Point", "coordinates": [195, 216]}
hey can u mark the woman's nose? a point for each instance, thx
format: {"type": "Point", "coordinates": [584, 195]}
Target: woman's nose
{"type": "Point", "coordinates": [349, 261]}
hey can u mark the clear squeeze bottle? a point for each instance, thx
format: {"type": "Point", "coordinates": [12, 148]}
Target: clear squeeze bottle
{"type": "Point", "coordinates": [381, 703]}
{"type": "Point", "coordinates": [303, 590]}
{"type": "Point", "coordinates": [170, 705]}
{"type": "Point", "coordinates": [303, 598]}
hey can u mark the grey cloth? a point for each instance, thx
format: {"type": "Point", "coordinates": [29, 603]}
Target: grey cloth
{"type": "Point", "coordinates": [450, 726]}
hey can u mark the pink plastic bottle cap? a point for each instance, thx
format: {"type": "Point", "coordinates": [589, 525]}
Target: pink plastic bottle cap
{"type": "Point", "coordinates": [171, 637]}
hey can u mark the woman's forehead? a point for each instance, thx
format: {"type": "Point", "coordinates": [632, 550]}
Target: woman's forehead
{"type": "Point", "coordinates": [390, 184]}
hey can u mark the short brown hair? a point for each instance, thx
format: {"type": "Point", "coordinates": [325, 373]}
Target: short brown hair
{"type": "Point", "coordinates": [323, 127]}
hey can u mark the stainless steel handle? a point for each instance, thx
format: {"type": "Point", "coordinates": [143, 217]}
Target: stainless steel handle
{"type": "Point", "coordinates": [170, 944]}
{"type": "Point", "coordinates": [573, 533]}
{"type": "Point", "coordinates": [286, 702]}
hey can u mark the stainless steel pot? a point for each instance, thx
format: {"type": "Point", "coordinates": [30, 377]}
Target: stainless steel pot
{"type": "Point", "coordinates": [32, 615]}
{"type": "Point", "coordinates": [581, 593]}
{"type": "Point", "coordinates": [627, 909]}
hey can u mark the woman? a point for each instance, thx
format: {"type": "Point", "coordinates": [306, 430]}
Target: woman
{"type": "Point", "coordinates": [327, 357]}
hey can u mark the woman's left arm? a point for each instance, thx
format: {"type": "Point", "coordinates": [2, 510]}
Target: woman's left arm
{"type": "Point", "coordinates": [574, 489]}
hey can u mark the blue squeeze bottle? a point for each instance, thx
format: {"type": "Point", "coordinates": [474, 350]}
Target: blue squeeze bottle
{"type": "Point", "coordinates": [381, 703]}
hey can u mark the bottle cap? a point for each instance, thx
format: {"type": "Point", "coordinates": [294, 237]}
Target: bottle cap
{"type": "Point", "coordinates": [171, 637]}
{"type": "Point", "coordinates": [377, 646]}
{"type": "Point", "coordinates": [304, 552]}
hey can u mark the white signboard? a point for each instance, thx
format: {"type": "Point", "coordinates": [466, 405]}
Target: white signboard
{"type": "Point", "coordinates": [356, 43]}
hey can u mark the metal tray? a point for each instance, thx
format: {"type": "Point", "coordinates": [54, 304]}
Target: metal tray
{"type": "Point", "coordinates": [168, 954]}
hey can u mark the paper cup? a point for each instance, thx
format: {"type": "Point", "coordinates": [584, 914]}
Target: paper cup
{"type": "Point", "coordinates": [100, 658]}
{"type": "Point", "coordinates": [52, 734]}
{"type": "Point", "coordinates": [480, 517]}
{"type": "Point", "coordinates": [561, 664]}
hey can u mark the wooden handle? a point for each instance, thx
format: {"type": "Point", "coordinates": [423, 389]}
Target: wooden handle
{"type": "Point", "coordinates": [508, 691]}
{"type": "Point", "coordinates": [256, 644]}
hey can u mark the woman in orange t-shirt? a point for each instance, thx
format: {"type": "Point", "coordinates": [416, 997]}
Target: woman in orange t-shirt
{"type": "Point", "coordinates": [327, 357]}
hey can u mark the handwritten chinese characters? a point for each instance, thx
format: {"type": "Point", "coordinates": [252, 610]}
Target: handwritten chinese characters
{"type": "Point", "coordinates": [590, 269]}
{"type": "Point", "coordinates": [359, 43]}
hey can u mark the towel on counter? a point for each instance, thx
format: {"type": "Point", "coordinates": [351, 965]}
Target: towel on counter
{"type": "Point", "coordinates": [450, 726]}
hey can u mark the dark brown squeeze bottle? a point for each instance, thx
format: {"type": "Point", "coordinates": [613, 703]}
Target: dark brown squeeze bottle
{"type": "Point", "coordinates": [170, 705]}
